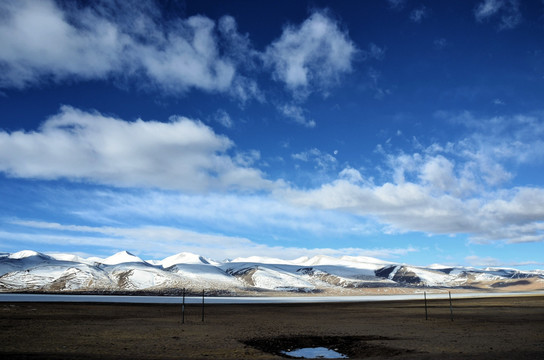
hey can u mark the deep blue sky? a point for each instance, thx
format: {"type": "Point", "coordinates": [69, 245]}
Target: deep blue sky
{"type": "Point", "coordinates": [411, 131]}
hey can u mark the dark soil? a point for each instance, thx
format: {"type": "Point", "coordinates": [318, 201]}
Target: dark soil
{"type": "Point", "coordinates": [492, 328]}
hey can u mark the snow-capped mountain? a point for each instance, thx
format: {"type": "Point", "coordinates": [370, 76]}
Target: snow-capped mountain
{"type": "Point", "coordinates": [124, 272]}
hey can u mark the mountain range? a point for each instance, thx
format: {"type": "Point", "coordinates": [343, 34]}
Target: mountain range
{"type": "Point", "coordinates": [123, 272]}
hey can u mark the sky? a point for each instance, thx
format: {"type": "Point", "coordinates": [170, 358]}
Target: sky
{"type": "Point", "coordinates": [407, 130]}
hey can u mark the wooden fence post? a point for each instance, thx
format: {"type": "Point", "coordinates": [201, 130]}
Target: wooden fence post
{"type": "Point", "coordinates": [451, 307]}
{"type": "Point", "coordinates": [202, 305]}
{"type": "Point", "coordinates": [183, 308]}
{"type": "Point", "coordinates": [425, 297]}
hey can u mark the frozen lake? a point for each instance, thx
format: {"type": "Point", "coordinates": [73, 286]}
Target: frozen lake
{"type": "Point", "coordinates": [241, 300]}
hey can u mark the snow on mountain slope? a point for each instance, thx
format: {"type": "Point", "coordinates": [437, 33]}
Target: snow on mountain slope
{"type": "Point", "coordinates": [262, 260]}
{"type": "Point", "coordinates": [268, 277]}
{"type": "Point", "coordinates": [365, 260]}
{"type": "Point", "coordinates": [301, 276]}
{"type": "Point", "coordinates": [122, 257]}
{"type": "Point", "coordinates": [277, 279]}
{"type": "Point", "coordinates": [32, 271]}
{"type": "Point", "coordinates": [139, 277]}
{"type": "Point", "coordinates": [66, 257]}
{"type": "Point", "coordinates": [360, 263]}
{"type": "Point", "coordinates": [183, 258]}
{"type": "Point", "coordinates": [55, 277]}
{"type": "Point", "coordinates": [202, 276]}
{"type": "Point", "coordinates": [22, 260]}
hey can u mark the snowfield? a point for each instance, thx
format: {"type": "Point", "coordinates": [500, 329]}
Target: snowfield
{"type": "Point", "coordinates": [28, 270]}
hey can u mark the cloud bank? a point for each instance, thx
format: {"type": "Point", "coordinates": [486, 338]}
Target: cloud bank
{"type": "Point", "coordinates": [452, 188]}
{"type": "Point", "coordinates": [180, 154]}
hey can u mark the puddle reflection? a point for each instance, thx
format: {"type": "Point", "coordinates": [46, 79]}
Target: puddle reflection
{"type": "Point", "coordinates": [315, 353]}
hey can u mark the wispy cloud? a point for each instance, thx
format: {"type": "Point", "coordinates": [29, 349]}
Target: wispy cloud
{"type": "Point", "coordinates": [396, 4]}
{"type": "Point", "coordinates": [297, 114]}
{"type": "Point", "coordinates": [417, 15]}
{"type": "Point", "coordinates": [322, 161]}
{"type": "Point", "coordinates": [440, 43]}
{"type": "Point", "coordinates": [223, 118]}
{"type": "Point", "coordinates": [496, 139]}
{"type": "Point", "coordinates": [179, 154]}
{"type": "Point", "coordinates": [162, 241]}
{"type": "Point", "coordinates": [374, 52]}
{"type": "Point", "coordinates": [259, 217]}
{"type": "Point", "coordinates": [312, 56]}
{"type": "Point", "coordinates": [507, 10]}
{"type": "Point", "coordinates": [489, 261]}
{"type": "Point", "coordinates": [374, 84]}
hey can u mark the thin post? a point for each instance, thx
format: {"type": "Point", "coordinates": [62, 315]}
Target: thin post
{"type": "Point", "coordinates": [183, 308]}
{"type": "Point", "coordinates": [425, 297]}
{"type": "Point", "coordinates": [202, 305]}
{"type": "Point", "coordinates": [451, 307]}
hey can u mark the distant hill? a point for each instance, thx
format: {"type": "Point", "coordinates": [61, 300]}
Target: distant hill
{"type": "Point", "coordinates": [30, 271]}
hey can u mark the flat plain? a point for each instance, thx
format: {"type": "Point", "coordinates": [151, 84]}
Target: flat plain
{"type": "Point", "coordinates": [487, 328]}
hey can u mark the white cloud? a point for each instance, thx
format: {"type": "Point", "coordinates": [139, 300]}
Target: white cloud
{"type": "Point", "coordinates": [451, 188]}
{"type": "Point", "coordinates": [352, 175]}
{"type": "Point", "coordinates": [42, 42]}
{"type": "Point", "coordinates": [180, 154]}
{"type": "Point", "coordinates": [438, 173]}
{"type": "Point", "coordinates": [488, 8]}
{"type": "Point", "coordinates": [133, 44]}
{"type": "Point", "coordinates": [434, 195]}
{"type": "Point", "coordinates": [188, 61]}
{"type": "Point", "coordinates": [247, 158]}
{"type": "Point", "coordinates": [296, 113]}
{"type": "Point", "coordinates": [39, 42]}
{"type": "Point", "coordinates": [162, 241]}
{"type": "Point", "coordinates": [312, 56]}
{"type": "Point", "coordinates": [510, 14]}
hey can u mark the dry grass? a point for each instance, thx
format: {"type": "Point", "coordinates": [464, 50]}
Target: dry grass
{"type": "Point", "coordinates": [491, 328]}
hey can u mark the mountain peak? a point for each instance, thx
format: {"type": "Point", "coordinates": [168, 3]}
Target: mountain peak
{"type": "Point", "coordinates": [25, 254]}
{"type": "Point", "coordinates": [183, 258]}
{"type": "Point", "coordinates": [122, 257]}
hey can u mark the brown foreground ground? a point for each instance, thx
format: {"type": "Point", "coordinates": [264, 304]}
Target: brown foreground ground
{"type": "Point", "coordinates": [492, 328]}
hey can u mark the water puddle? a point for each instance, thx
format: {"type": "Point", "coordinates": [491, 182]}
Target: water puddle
{"type": "Point", "coordinates": [325, 347]}
{"type": "Point", "coordinates": [314, 353]}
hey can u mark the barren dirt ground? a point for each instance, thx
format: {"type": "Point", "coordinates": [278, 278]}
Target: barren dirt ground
{"type": "Point", "coordinates": [493, 328]}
